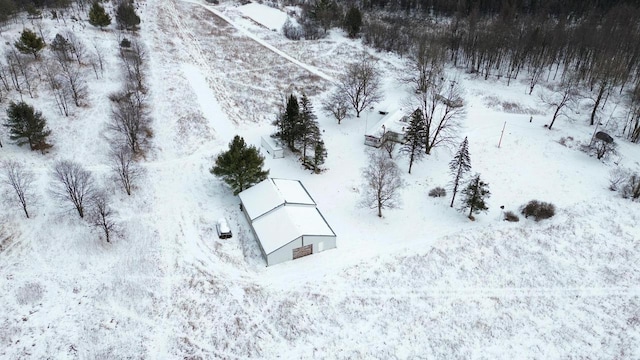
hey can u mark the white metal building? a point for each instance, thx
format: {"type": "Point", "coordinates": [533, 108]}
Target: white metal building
{"type": "Point", "coordinates": [285, 220]}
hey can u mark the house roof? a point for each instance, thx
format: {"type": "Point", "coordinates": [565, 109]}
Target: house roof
{"type": "Point", "coordinates": [271, 193]}
{"type": "Point", "coordinates": [281, 210]}
{"type": "Point", "coordinates": [288, 223]}
{"type": "Point", "coordinates": [392, 122]}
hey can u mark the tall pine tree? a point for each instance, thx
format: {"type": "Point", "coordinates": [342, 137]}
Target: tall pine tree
{"type": "Point", "coordinates": [240, 166]}
{"type": "Point", "coordinates": [474, 196]}
{"type": "Point", "coordinates": [29, 43]}
{"type": "Point", "coordinates": [353, 22]}
{"type": "Point", "coordinates": [126, 16]}
{"type": "Point", "coordinates": [290, 123]}
{"type": "Point", "coordinates": [309, 130]}
{"type": "Point", "coordinates": [319, 155]}
{"type": "Point", "coordinates": [459, 166]}
{"type": "Point", "coordinates": [98, 16]}
{"type": "Point", "coordinates": [414, 138]}
{"type": "Point", "coordinates": [27, 126]}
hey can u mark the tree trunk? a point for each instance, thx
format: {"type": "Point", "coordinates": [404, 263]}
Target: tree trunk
{"type": "Point", "coordinates": [597, 103]}
{"type": "Point", "coordinates": [453, 197]}
{"type": "Point", "coordinates": [555, 115]}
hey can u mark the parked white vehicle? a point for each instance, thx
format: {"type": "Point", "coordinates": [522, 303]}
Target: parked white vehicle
{"type": "Point", "coordinates": [224, 232]}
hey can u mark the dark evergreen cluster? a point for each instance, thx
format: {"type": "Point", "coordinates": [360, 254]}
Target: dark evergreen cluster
{"type": "Point", "coordinates": [297, 127]}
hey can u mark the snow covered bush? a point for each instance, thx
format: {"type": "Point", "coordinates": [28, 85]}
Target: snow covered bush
{"type": "Point", "coordinates": [291, 31]}
{"type": "Point", "coordinates": [602, 150]}
{"type": "Point", "coordinates": [617, 178]}
{"type": "Point", "coordinates": [510, 216]}
{"type": "Point", "coordinates": [438, 191]}
{"type": "Point", "coordinates": [625, 181]}
{"type": "Point", "coordinates": [631, 188]}
{"type": "Point", "coordinates": [539, 210]}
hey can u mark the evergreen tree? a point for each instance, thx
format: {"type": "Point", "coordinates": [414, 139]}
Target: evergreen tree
{"type": "Point", "coordinates": [459, 166]}
{"type": "Point", "coordinates": [98, 16]}
{"type": "Point", "coordinates": [414, 138]}
{"type": "Point", "coordinates": [474, 196]}
{"type": "Point", "coordinates": [309, 130]}
{"type": "Point", "coordinates": [126, 16]}
{"type": "Point", "coordinates": [353, 22]}
{"type": "Point", "coordinates": [319, 155]}
{"type": "Point", "coordinates": [27, 126]}
{"type": "Point", "coordinates": [29, 43]}
{"type": "Point", "coordinates": [289, 123]}
{"type": "Point", "coordinates": [324, 12]}
{"type": "Point", "coordinates": [240, 166]}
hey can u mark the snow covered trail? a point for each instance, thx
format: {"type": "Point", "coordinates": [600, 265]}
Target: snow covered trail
{"type": "Point", "coordinates": [250, 35]}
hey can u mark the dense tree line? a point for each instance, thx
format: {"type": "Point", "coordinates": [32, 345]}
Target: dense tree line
{"type": "Point", "coordinates": [593, 45]}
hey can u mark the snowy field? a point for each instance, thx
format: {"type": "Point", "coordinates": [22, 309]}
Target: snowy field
{"type": "Point", "coordinates": [423, 282]}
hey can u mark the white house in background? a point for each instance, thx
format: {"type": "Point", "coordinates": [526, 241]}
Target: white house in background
{"type": "Point", "coordinates": [285, 220]}
{"type": "Point", "coordinates": [272, 147]}
{"type": "Point", "coordinates": [390, 127]}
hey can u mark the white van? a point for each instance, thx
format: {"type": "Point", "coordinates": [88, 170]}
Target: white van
{"type": "Point", "coordinates": [224, 232]}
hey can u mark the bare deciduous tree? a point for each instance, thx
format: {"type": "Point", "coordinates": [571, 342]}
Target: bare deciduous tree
{"type": "Point", "coordinates": [97, 60]}
{"type": "Point", "coordinates": [101, 215]}
{"type": "Point", "coordinates": [20, 72]}
{"type": "Point", "coordinates": [75, 81]}
{"type": "Point", "coordinates": [361, 84]}
{"type": "Point", "coordinates": [129, 118]}
{"type": "Point", "coordinates": [382, 183]}
{"type": "Point", "coordinates": [126, 170]}
{"type": "Point", "coordinates": [390, 147]}
{"type": "Point", "coordinates": [337, 105]}
{"type": "Point", "coordinates": [61, 93]}
{"type": "Point", "coordinates": [72, 183]}
{"type": "Point", "coordinates": [133, 58]}
{"type": "Point", "coordinates": [560, 99]}
{"type": "Point", "coordinates": [76, 47]}
{"type": "Point", "coordinates": [19, 181]}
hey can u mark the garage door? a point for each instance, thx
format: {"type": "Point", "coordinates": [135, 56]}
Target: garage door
{"type": "Point", "coordinates": [302, 251]}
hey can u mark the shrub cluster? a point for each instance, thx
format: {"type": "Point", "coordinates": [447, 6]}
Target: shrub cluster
{"type": "Point", "coordinates": [539, 210]}
{"type": "Point", "coordinates": [511, 216]}
{"type": "Point", "coordinates": [438, 192]}
{"type": "Point", "coordinates": [625, 181]}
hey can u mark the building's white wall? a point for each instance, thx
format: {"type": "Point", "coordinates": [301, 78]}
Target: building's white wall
{"type": "Point", "coordinates": [272, 148]}
{"type": "Point", "coordinates": [283, 254]}
{"type": "Point", "coordinates": [328, 242]}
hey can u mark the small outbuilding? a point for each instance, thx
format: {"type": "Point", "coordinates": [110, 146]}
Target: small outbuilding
{"type": "Point", "coordinates": [272, 147]}
{"type": "Point", "coordinates": [285, 220]}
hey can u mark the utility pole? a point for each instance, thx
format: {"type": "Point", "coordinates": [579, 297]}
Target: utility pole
{"type": "Point", "coordinates": [501, 134]}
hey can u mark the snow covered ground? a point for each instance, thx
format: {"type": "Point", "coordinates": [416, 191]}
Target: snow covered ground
{"type": "Point", "coordinates": [422, 282]}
